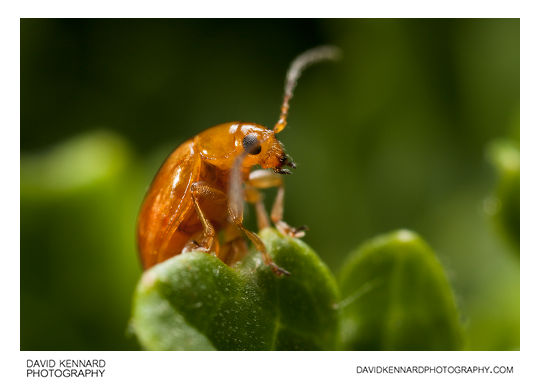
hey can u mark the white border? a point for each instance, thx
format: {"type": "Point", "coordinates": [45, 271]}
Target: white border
{"type": "Point", "coordinates": [281, 367]}
{"type": "Point", "coordinates": [263, 366]}
{"type": "Point", "coordinates": [270, 9]}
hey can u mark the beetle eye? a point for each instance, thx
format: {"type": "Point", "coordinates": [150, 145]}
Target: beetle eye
{"type": "Point", "coordinates": [251, 144]}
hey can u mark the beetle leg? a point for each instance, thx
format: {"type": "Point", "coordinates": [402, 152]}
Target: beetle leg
{"type": "Point", "coordinates": [267, 179]}
{"type": "Point", "coordinates": [201, 190]}
{"type": "Point", "coordinates": [235, 216]}
{"type": "Point", "coordinates": [255, 197]}
{"type": "Point", "coordinates": [267, 259]}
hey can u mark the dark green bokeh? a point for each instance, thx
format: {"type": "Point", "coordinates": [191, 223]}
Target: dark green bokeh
{"type": "Point", "coordinates": [392, 136]}
{"type": "Point", "coordinates": [504, 204]}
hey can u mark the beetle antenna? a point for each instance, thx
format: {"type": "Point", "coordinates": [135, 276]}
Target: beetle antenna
{"type": "Point", "coordinates": [312, 56]}
{"type": "Point", "coordinates": [236, 190]}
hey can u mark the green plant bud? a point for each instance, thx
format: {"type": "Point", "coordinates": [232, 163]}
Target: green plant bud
{"type": "Point", "coordinates": [194, 301]}
{"type": "Point", "coordinates": [396, 297]}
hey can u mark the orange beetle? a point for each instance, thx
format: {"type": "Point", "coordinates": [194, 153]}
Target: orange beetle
{"type": "Point", "coordinates": [201, 187]}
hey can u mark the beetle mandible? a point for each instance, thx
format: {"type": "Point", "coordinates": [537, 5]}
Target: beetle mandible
{"type": "Point", "coordinates": [201, 187]}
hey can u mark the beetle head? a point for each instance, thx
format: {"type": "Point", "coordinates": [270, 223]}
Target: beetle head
{"type": "Point", "coordinates": [260, 146]}
{"type": "Point", "coordinates": [223, 144]}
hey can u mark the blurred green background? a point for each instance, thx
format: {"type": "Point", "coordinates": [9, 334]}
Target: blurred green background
{"type": "Point", "coordinates": [393, 136]}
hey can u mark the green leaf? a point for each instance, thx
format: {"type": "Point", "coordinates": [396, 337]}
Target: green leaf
{"type": "Point", "coordinates": [504, 206]}
{"type": "Point", "coordinates": [195, 302]}
{"type": "Point", "coordinates": [397, 297]}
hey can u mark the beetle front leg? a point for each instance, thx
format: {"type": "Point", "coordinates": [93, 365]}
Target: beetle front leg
{"type": "Point", "coordinates": [235, 216]}
{"type": "Point", "coordinates": [256, 240]}
{"type": "Point", "coordinates": [261, 179]}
